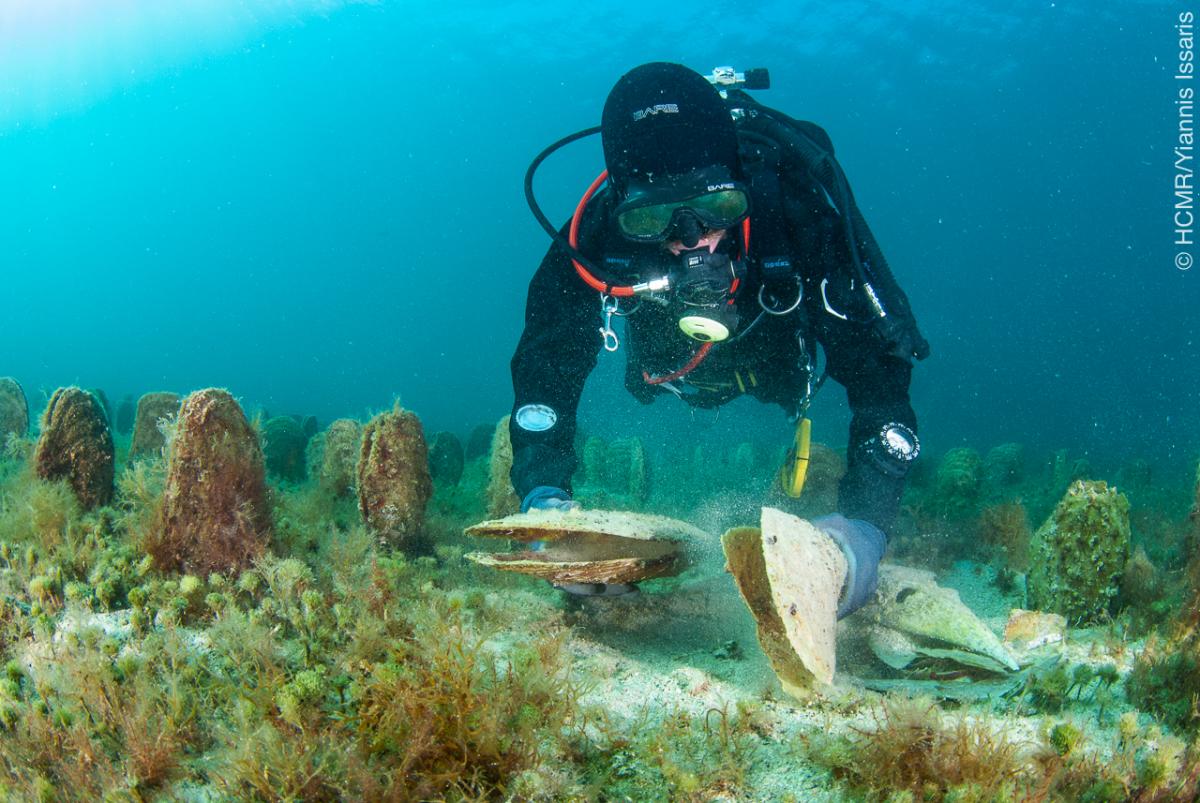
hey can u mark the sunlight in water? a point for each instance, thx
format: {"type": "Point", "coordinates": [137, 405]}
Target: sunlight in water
{"type": "Point", "coordinates": [62, 56]}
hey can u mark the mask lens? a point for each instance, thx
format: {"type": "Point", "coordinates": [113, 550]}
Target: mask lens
{"type": "Point", "coordinates": [716, 210]}
{"type": "Point", "coordinates": [720, 209]}
{"type": "Point", "coordinates": [647, 221]}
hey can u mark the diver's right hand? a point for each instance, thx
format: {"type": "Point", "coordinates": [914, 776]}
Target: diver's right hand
{"type": "Point", "coordinates": [548, 497]}
{"type": "Point", "coordinates": [863, 544]}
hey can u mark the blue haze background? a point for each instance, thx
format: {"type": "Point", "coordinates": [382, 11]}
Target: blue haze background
{"type": "Point", "coordinates": [318, 204]}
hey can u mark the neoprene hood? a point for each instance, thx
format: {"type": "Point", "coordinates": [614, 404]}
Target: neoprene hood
{"type": "Point", "coordinates": [663, 121]}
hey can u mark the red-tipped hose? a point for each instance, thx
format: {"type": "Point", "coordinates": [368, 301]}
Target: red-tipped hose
{"type": "Point", "coordinates": [573, 239]}
{"type": "Point", "coordinates": [604, 287]}
{"type": "Point", "coordinates": [701, 352]}
{"type": "Point", "coordinates": [626, 291]}
{"type": "Point", "coordinates": [696, 359]}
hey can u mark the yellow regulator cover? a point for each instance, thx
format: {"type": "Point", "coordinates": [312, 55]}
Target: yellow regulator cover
{"type": "Point", "coordinates": [795, 467]}
{"type": "Point", "coordinates": [703, 329]}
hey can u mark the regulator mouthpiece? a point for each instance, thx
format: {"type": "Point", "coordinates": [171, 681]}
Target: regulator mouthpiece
{"type": "Point", "coordinates": [688, 228]}
{"type": "Point", "coordinates": [706, 330]}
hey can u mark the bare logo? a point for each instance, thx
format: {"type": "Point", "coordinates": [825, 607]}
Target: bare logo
{"type": "Point", "coordinates": [650, 111]}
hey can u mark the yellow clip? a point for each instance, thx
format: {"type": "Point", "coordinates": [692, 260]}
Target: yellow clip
{"type": "Point", "coordinates": [795, 467]}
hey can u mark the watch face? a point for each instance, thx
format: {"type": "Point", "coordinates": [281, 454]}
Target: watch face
{"type": "Point", "coordinates": [536, 417]}
{"type": "Point", "coordinates": [899, 441]}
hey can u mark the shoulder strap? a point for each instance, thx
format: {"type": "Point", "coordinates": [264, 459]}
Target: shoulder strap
{"type": "Point", "coordinates": [806, 147]}
{"type": "Point", "coordinates": [771, 252]}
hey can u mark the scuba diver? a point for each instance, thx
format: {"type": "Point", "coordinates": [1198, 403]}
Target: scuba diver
{"type": "Point", "coordinates": [725, 234]}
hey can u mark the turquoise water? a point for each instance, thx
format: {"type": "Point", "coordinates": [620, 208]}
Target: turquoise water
{"type": "Point", "coordinates": [319, 206]}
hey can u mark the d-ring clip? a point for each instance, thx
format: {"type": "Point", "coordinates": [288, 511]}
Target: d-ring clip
{"type": "Point", "coordinates": [608, 308]}
{"type": "Point", "coordinates": [762, 302]}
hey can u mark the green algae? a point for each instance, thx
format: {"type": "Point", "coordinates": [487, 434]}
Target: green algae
{"type": "Point", "coordinates": [335, 667]}
{"type": "Point", "coordinates": [911, 750]}
{"type": "Point", "coordinates": [331, 668]}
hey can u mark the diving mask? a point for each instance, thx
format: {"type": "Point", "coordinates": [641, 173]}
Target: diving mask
{"type": "Point", "coordinates": [650, 215]}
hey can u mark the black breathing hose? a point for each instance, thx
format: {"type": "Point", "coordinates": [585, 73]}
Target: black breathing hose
{"type": "Point", "coordinates": [542, 220]}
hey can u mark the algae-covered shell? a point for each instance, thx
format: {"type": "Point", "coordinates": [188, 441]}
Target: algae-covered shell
{"type": "Point", "coordinates": [479, 441]}
{"type": "Point", "coordinates": [75, 445]}
{"type": "Point", "coordinates": [626, 468]}
{"type": "Point", "coordinates": [393, 476]}
{"type": "Point", "coordinates": [501, 498]}
{"type": "Point", "coordinates": [333, 455]}
{"type": "Point", "coordinates": [589, 546]}
{"type": "Point", "coordinates": [14, 409]}
{"type": "Point", "coordinates": [215, 515]}
{"type": "Point", "coordinates": [148, 439]}
{"type": "Point", "coordinates": [1079, 553]}
{"type": "Point", "coordinates": [575, 564]}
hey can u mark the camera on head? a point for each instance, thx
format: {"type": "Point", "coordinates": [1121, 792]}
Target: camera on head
{"type": "Point", "coordinates": [728, 78]}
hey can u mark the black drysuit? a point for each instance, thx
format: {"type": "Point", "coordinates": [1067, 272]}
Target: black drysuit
{"type": "Point", "coordinates": [562, 340]}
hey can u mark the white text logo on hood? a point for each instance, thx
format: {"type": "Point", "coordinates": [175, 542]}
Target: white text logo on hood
{"type": "Point", "coordinates": [661, 108]}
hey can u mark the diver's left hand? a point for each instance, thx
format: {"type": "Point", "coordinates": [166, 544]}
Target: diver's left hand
{"type": "Point", "coordinates": [863, 544]}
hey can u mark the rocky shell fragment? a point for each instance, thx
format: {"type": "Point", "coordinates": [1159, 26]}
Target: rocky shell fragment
{"type": "Point", "coordinates": [1027, 630]}
{"type": "Point", "coordinates": [393, 476]}
{"type": "Point", "coordinates": [215, 516]}
{"type": "Point", "coordinates": [790, 575]}
{"type": "Point", "coordinates": [76, 446]}
{"type": "Point", "coordinates": [589, 546]}
{"type": "Point", "coordinates": [14, 409]}
{"type": "Point", "coordinates": [899, 650]}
